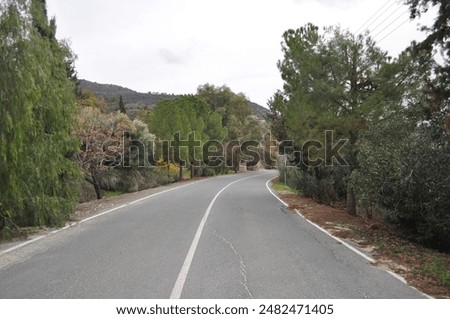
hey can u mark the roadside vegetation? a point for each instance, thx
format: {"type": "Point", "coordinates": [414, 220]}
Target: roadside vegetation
{"type": "Point", "coordinates": [370, 150]}
{"type": "Point", "coordinates": [370, 130]}
{"type": "Point", "coordinates": [61, 145]}
{"type": "Point", "coordinates": [369, 133]}
{"type": "Point", "coordinates": [281, 188]}
{"type": "Point", "coordinates": [424, 268]}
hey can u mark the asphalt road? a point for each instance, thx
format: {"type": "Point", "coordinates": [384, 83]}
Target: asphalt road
{"type": "Point", "coordinates": [224, 237]}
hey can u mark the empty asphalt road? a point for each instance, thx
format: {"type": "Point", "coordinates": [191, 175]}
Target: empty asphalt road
{"type": "Point", "coordinates": [224, 237]}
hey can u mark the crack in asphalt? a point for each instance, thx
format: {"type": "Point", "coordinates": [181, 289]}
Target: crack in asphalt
{"type": "Point", "coordinates": [242, 267]}
{"type": "Point", "coordinates": [332, 250]}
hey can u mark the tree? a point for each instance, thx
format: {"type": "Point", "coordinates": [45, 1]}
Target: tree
{"type": "Point", "coordinates": [438, 35]}
{"type": "Point", "coordinates": [37, 107]}
{"type": "Point", "coordinates": [337, 82]}
{"type": "Point", "coordinates": [405, 157]}
{"type": "Point", "coordinates": [141, 147]}
{"type": "Point", "coordinates": [87, 98]}
{"type": "Point", "coordinates": [122, 108]}
{"type": "Point", "coordinates": [234, 108]}
{"type": "Point", "coordinates": [104, 139]}
{"type": "Point", "coordinates": [237, 118]}
{"type": "Point", "coordinates": [186, 123]}
{"type": "Point", "coordinates": [438, 85]}
{"type": "Point", "coordinates": [275, 117]}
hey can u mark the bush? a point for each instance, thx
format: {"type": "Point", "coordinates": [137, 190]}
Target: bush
{"type": "Point", "coordinates": [126, 180]}
{"type": "Point", "coordinates": [209, 171]}
{"type": "Point", "coordinates": [405, 171]}
{"type": "Point", "coordinates": [327, 184]}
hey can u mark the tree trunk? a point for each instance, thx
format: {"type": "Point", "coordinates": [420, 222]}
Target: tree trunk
{"type": "Point", "coordinates": [351, 202]}
{"type": "Point", "coordinates": [180, 177]}
{"type": "Point", "coordinates": [2, 221]}
{"type": "Point", "coordinates": [237, 160]}
{"type": "Point", "coordinates": [98, 191]}
{"type": "Point", "coordinates": [192, 171]}
{"type": "Point", "coordinates": [353, 163]}
{"type": "Point", "coordinates": [168, 171]}
{"type": "Point", "coordinates": [95, 182]}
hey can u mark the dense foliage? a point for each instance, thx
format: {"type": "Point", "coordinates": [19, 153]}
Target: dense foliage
{"type": "Point", "coordinates": [102, 142]}
{"type": "Point", "coordinates": [335, 82]}
{"type": "Point", "coordinates": [235, 110]}
{"type": "Point", "coordinates": [393, 112]}
{"type": "Point", "coordinates": [244, 128]}
{"type": "Point", "coordinates": [183, 126]}
{"type": "Point", "coordinates": [404, 175]}
{"type": "Point", "coordinates": [365, 127]}
{"type": "Point", "coordinates": [37, 108]}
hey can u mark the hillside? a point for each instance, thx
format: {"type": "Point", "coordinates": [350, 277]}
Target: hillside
{"type": "Point", "coordinates": [134, 101]}
{"type": "Point", "coordinates": [259, 110]}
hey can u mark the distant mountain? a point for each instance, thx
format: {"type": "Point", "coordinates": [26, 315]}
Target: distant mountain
{"type": "Point", "coordinates": [259, 110]}
{"type": "Point", "coordinates": [135, 101]}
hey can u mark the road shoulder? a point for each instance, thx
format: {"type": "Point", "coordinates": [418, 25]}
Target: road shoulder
{"type": "Point", "coordinates": [89, 210]}
{"type": "Point", "coordinates": [383, 243]}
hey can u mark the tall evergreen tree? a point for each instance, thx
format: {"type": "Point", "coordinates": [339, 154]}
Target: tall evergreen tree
{"type": "Point", "coordinates": [122, 108]}
{"type": "Point", "coordinates": [334, 81]}
{"type": "Point", "coordinates": [438, 35]}
{"type": "Point", "coordinates": [37, 108]}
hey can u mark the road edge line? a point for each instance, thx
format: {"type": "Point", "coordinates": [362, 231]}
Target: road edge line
{"type": "Point", "coordinates": [22, 245]}
{"type": "Point", "coordinates": [275, 195]}
{"type": "Point", "coordinates": [28, 242]}
{"type": "Point", "coordinates": [370, 259]}
{"type": "Point", "coordinates": [319, 227]}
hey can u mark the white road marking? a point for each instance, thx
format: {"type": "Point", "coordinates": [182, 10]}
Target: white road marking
{"type": "Point", "coordinates": [101, 214]}
{"type": "Point", "coordinates": [162, 192]}
{"type": "Point", "coordinates": [282, 201]}
{"type": "Point", "coordinates": [21, 245]}
{"type": "Point", "coordinates": [93, 217]}
{"type": "Point", "coordinates": [371, 260]}
{"type": "Point", "coordinates": [179, 284]}
{"type": "Point", "coordinates": [320, 228]}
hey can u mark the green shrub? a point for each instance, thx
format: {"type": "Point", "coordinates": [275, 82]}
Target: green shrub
{"type": "Point", "coordinates": [405, 171]}
{"type": "Point", "coordinates": [326, 184]}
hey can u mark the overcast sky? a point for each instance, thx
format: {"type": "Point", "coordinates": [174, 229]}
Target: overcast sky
{"type": "Point", "coordinates": [174, 46]}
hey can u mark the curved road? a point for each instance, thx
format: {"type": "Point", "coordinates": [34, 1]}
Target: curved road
{"type": "Point", "coordinates": [224, 237]}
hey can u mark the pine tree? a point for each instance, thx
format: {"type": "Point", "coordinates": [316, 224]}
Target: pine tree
{"type": "Point", "coordinates": [333, 81]}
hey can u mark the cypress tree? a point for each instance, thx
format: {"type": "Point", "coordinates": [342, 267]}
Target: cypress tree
{"type": "Point", "coordinates": [122, 108]}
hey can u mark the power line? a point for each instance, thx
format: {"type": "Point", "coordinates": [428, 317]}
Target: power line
{"type": "Point", "coordinates": [380, 15]}
{"type": "Point", "coordinates": [392, 22]}
{"type": "Point", "coordinates": [363, 25]}
{"type": "Point", "coordinates": [394, 30]}
{"type": "Point", "coordinates": [393, 12]}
